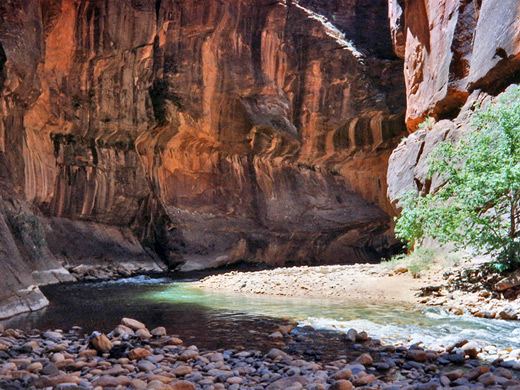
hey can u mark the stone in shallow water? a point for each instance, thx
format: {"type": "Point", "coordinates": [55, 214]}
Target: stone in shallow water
{"type": "Point", "coordinates": [362, 336]}
{"type": "Point", "coordinates": [471, 349]}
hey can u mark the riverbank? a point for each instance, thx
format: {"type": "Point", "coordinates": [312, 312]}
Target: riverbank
{"type": "Point", "coordinates": [132, 357]}
{"type": "Point", "coordinates": [368, 283]}
{"type": "Point", "coordinates": [466, 288]}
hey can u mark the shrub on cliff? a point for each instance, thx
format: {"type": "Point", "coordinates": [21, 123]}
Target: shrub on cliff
{"type": "Point", "coordinates": [478, 206]}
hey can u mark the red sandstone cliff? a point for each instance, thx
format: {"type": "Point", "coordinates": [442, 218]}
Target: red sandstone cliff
{"type": "Point", "coordinates": [206, 132]}
{"type": "Point", "coordinates": [457, 53]}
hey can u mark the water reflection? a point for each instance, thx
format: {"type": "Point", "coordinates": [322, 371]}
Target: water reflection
{"type": "Point", "coordinates": [225, 320]}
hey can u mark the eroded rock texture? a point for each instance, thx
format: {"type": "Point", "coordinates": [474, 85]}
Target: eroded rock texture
{"type": "Point", "coordinates": [452, 48]}
{"type": "Point", "coordinates": [457, 54]}
{"type": "Point", "coordinates": [206, 132]}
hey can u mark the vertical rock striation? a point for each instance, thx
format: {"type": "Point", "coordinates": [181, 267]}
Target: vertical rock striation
{"type": "Point", "coordinates": [205, 132]}
{"type": "Point", "coordinates": [272, 132]}
{"type": "Point", "coordinates": [456, 53]}
{"type": "Point", "coordinates": [452, 48]}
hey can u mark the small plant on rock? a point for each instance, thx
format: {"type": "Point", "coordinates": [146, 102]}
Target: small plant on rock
{"type": "Point", "coordinates": [479, 204]}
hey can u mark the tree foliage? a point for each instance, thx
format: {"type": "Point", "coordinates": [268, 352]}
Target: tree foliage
{"type": "Point", "coordinates": [478, 206]}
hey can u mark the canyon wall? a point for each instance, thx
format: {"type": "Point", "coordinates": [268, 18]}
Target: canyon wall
{"type": "Point", "coordinates": [457, 53]}
{"type": "Point", "coordinates": [193, 133]}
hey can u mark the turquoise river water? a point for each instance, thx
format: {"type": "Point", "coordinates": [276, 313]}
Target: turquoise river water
{"type": "Point", "coordinates": [225, 320]}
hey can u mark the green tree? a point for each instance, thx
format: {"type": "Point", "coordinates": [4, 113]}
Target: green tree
{"type": "Point", "coordinates": [478, 206]}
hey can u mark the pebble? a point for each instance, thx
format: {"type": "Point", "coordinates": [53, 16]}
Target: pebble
{"type": "Point", "coordinates": [101, 343]}
{"type": "Point", "coordinates": [159, 331]}
{"type": "Point", "coordinates": [417, 355]}
{"type": "Point", "coordinates": [138, 353]}
{"type": "Point", "coordinates": [341, 384]}
{"type": "Point", "coordinates": [35, 367]}
{"type": "Point", "coordinates": [487, 379]}
{"type": "Point", "coordinates": [132, 324]}
{"type": "Point", "coordinates": [138, 384]}
{"type": "Point", "coordinates": [182, 370]}
{"type": "Point", "coordinates": [152, 363]}
{"type": "Point", "coordinates": [58, 357]}
{"type": "Point", "coordinates": [143, 334]}
{"type": "Point", "coordinates": [365, 359]}
{"type": "Point", "coordinates": [145, 365]}
{"type": "Point", "coordinates": [122, 330]}
{"type": "Point", "coordinates": [49, 369]}
{"type": "Point", "coordinates": [351, 335]}
{"type": "Point", "coordinates": [471, 349]}
{"type": "Point", "coordinates": [183, 385]}
{"type": "Point", "coordinates": [455, 374]}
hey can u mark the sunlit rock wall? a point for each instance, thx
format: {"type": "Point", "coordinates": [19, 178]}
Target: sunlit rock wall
{"type": "Point", "coordinates": [205, 132]}
{"type": "Point", "coordinates": [457, 54]}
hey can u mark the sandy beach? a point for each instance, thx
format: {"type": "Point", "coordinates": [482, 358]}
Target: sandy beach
{"type": "Point", "coordinates": [360, 282]}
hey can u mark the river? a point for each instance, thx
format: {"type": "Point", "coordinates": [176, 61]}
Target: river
{"type": "Point", "coordinates": [215, 320]}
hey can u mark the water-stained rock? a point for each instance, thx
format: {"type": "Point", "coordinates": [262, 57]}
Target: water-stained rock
{"type": "Point", "coordinates": [206, 133]}
{"type": "Point", "coordinates": [452, 48]}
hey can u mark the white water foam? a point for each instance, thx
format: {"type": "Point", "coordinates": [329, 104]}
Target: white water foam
{"type": "Point", "coordinates": [445, 330]}
{"type": "Point", "coordinates": [140, 279]}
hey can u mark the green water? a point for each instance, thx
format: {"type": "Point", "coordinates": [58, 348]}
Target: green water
{"type": "Point", "coordinates": [391, 323]}
{"type": "Point", "coordinates": [225, 320]}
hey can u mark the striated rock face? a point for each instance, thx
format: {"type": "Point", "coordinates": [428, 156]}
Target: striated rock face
{"type": "Point", "coordinates": [452, 48]}
{"type": "Point", "coordinates": [272, 132]}
{"type": "Point", "coordinates": [207, 132]}
{"type": "Point", "coordinates": [457, 54]}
